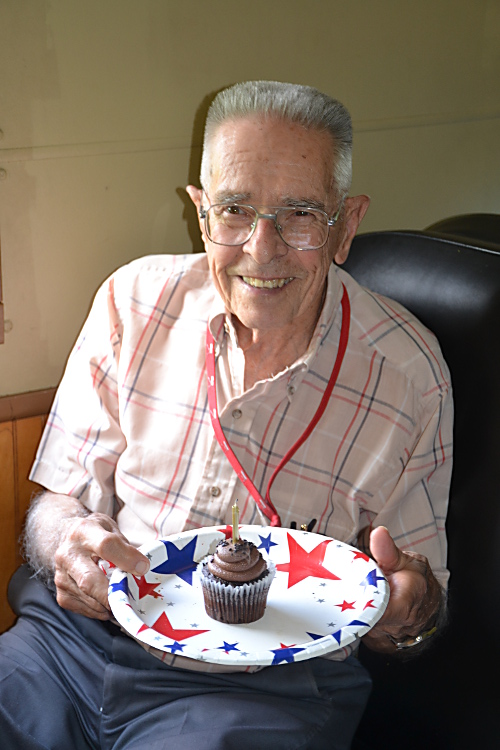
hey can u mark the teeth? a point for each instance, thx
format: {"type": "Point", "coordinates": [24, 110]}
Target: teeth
{"type": "Point", "coordinates": [266, 283]}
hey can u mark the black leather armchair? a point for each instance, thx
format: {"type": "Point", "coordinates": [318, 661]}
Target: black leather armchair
{"type": "Point", "coordinates": [447, 698]}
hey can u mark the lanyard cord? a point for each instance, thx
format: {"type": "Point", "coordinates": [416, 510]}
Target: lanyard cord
{"type": "Point", "coordinates": [266, 505]}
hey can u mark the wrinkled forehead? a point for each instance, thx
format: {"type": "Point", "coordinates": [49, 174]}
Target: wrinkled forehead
{"type": "Point", "coordinates": [258, 158]}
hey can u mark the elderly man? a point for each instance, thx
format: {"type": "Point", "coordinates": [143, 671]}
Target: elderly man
{"type": "Point", "coordinates": [332, 403]}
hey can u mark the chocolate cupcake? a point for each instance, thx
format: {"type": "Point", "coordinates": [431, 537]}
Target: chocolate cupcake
{"type": "Point", "coordinates": [235, 582]}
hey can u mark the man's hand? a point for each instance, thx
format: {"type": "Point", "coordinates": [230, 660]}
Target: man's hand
{"type": "Point", "coordinates": [81, 586]}
{"type": "Point", "coordinates": [415, 594]}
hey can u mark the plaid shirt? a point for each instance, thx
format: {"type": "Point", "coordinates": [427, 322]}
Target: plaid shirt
{"type": "Point", "coordinates": [130, 433]}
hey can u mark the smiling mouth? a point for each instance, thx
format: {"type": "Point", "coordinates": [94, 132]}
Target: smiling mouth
{"type": "Point", "coordinates": [266, 283]}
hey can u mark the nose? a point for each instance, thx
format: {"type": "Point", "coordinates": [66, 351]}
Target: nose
{"type": "Point", "coordinates": [265, 244]}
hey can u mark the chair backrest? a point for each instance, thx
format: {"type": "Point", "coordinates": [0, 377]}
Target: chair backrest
{"type": "Point", "coordinates": [454, 288]}
{"type": "Point", "coordinates": [482, 228]}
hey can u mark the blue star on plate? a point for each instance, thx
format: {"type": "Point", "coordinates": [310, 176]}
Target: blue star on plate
{"type": "Point", "coordinates": [314, 636]}
{"type": "Point", "coordinates": [371, 579]}
{"type": "Point", "coordinates": [180, 562]}
{"type": "Point", "coordinates": [285, 654]}
{"type": "Point", "coordinates": [227, 647]}
{"type": "Point", "coordinates": [120, 586]}
{"type": "Point", "coordinates": [266, 543]}
{"type": "Point", "coordinates": [338, 634]}
{"type": "Point", "coordinates": [174, 647]}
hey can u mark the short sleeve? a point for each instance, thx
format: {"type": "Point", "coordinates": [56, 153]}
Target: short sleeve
{"type": "Point", "coordinates": [82, 441]}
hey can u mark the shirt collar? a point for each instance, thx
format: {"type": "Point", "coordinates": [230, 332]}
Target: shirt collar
{"type": "Point", "coordinates": [331, 308]}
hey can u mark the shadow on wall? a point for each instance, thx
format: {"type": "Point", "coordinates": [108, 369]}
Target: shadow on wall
{"type": "Point", "coordinates": [193, 177]}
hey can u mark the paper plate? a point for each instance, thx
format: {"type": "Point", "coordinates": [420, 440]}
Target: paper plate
{"type": "Point", "coordinates": [324, 595]}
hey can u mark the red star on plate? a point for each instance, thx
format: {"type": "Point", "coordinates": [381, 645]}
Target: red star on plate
{"type": "Point", "coordinates": [303, 564]}
{"type": "Point", "coordinates": [146, 589]}
{"type": "Point", "coordinates": [359, 556]}
{"type": "Point", "coordinates": [227, 531]}
{"type": "Point", "coordinates": [346, 605]}
{"type": "Point", "coordinates": [369, 604]}
{"type": "Point", "coordinates": [163, 626]}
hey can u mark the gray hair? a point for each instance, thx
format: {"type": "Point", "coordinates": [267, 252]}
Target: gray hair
{"type": "Point", "coordinates": [290, 102]}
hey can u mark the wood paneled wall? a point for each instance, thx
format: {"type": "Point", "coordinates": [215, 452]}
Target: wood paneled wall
{"type": "Point", "coordinates": [19, 439]}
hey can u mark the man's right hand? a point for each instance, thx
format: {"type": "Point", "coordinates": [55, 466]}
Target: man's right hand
{"type": "Point", "coordinates": [81, 585]}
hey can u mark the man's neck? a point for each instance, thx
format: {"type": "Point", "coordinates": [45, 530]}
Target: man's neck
{"type": "Point", "coordinates": [268, 352]}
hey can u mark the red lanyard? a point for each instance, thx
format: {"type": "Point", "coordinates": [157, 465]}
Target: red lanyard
{"type": "Point", "coordinates": [266, 505]}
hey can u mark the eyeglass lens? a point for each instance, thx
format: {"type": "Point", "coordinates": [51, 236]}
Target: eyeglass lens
{"type": "Point", "coordinates": [302, 229]}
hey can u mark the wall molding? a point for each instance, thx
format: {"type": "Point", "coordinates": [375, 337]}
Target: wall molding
{"type": "Point", "coordinates": [24, 405]}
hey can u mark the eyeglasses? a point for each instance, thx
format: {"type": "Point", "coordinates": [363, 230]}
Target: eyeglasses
{"type": "Point", "coordinates": [300, 227]}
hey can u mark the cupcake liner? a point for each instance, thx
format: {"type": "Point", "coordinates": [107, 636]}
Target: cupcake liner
{"type": "Point", "coordinates": [232, 604]}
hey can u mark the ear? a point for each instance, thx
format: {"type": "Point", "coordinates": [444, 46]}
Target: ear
{"type": "Point", "coordinates": [196, 195]}
{"type": "Point", "coordinates": [354, 210]}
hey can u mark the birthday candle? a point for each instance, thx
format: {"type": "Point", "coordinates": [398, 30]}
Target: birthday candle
{"type": "Point", "coordinates": [236, 513]}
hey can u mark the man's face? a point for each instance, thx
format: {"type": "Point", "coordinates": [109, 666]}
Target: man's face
{"type": "Point", "coordinates": [264, 283]}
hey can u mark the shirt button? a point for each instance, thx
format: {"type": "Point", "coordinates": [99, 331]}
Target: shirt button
{"type": "Point", "coordinates": [291, 390]}
{"type": "Point", "coordinates": [215, 491]}
{"type": "Point", "coordinates": [237, 413]}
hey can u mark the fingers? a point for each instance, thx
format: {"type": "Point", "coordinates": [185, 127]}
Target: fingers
{"type": "Point", "coordinates": [390, 558]}
{"type": "Point", "coordinates": [85, 594]}
{"type": "Point", "coordinates": [415, 594]}
{"type": "Point", "coordinates": [384, 551]}
{"type": "Point", "coordinates": [408, 590]}
{"type": "Point", "coordinates": [414, 608]}
{"type": "Point", "coordinates": [81, 586]}
{"type": "Point", "coordinates": [101, 534]}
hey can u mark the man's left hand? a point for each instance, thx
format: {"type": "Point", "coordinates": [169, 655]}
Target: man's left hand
{"type": "Point", "coordinates": [415, 594]}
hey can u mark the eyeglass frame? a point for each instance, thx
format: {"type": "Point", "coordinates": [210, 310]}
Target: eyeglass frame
{"type": "Point", "coordinates": [330, 221]}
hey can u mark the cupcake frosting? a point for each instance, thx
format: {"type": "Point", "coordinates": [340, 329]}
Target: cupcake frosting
{"type": "Point", "coordinates": [237, 562]}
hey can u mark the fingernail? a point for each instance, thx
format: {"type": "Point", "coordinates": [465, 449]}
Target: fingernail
{"type": "Point", "coordinates": [141, 567]}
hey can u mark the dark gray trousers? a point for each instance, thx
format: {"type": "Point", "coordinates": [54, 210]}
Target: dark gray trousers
{"type": "Point", "coordinates": [71, 683]}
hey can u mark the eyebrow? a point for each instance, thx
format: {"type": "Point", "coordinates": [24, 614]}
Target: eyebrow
{"type": "Point", "coordinates": [309, 202]}
{"type": "Point", "coordinates": [226, 197]}
{"type": "Point", "coordinates": [246, 198]}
